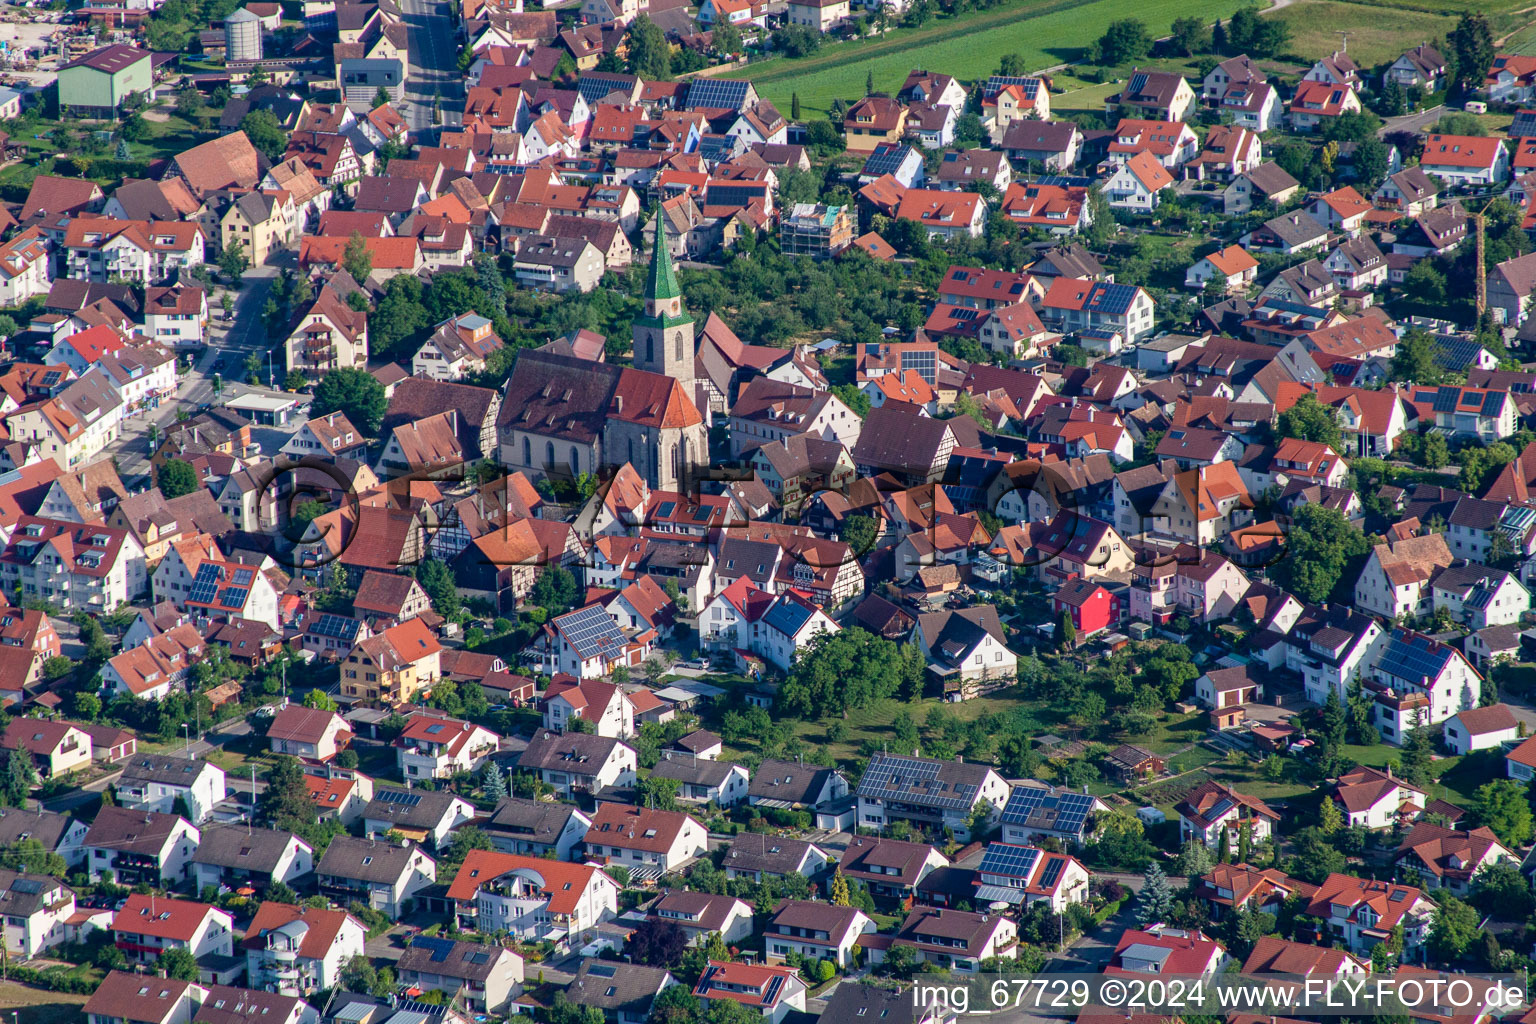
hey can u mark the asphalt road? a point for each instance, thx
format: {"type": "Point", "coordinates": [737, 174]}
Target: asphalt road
{"type": "Point", "coordinates": [246, 335]}
{"type": "Point", "coordinates": [1413, 122]}
{"type": "Point", "coordinates": [433, 75]}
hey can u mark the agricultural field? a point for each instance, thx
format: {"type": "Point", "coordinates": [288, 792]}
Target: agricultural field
{"type": "Point", "coordinates": [1045, 34]}
{"type": "Point", "coordinates": [1318, 27]}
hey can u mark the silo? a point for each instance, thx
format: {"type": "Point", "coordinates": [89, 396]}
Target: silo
{"type": "Point", "coordinates": [242, 36]}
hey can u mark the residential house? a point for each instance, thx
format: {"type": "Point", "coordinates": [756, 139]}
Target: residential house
{"type": "Point", "coordinates": [1212, 810]}
{"type": "Point", "coordinates": [702, 914]}
{"type": "Point", "coordinates": [572, 761]}
{"type": "Point", "coordinates": [532, 898]}
{"type": "Point", "coordinates": [927, 793]}
{"type": "Point", "coordinates": [1361, 913]}
{"type": "Point", "coordinates": [422, 816]}
{"type": "Point", "coordinates": [1479, 729]}
{"type": "Point", "coordinates": [481, 977]}
{"type": "Point", "coordinates": [381, 875]}
{"type": "Point", "coordinates": [646, 841]}
{"type": "Point", "coordinates": [771, 991]}
{"type": "Point", "coordinates": [237, 855]}
{"type": "Point", "coordinates": [300, 950]}
{"type": "Point", "coordinates": [148, 925]}
{"type": "Point", "coordinates": [127, 847]}
{"type": "Point", "coordinates": [162, 783]}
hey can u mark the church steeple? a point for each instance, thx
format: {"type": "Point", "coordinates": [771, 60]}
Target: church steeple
{"type": "Point", "coordinates": [662, 281]}
{"type": "Point", "coordinates": [664, 333]}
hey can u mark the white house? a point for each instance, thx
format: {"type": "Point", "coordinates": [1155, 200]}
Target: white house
{"type": "Point", "coordinates": [532, 898]}
{"type": "Point", "coordinates": [156, 782]}
{"type": "Point", "coordinates": [643, 839]}
{"type": "Point", "coordinates": [1479, 729]}
{"type": "Point", "coordinates": [127, 847]}
{"type": "Point", "coordinates": [603, 706]}
{"type": "Point", "coordinates": [1212, 809]}
{"type": "Point", "coordinates": [300, 950]}
{"type": "Point", "coordinates": [1376, 799]}
{"type": "Point", "coordinates": [37, 908]}
{"type": "Point", "coordinates": [1465, 159]}
{"type": "Point", "coordinates": [702, 914]}
{"type": "Point", "coordinates": [439, 748]}
{"type": "Point", "coordinates": [579, 761]}
{"type": "Point", "coordinates": [816, 931]}
{"type": "Point", "coordinates": [148, 925]}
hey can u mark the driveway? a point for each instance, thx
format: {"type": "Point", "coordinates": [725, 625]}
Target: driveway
{"type": "Point", "coordinates": [1096, 948]}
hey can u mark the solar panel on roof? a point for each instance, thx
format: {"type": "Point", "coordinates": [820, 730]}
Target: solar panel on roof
{"type": "Point", "coordinates": [1010, 860]}
{"type": "Point", "coordinates": [717, 94]}
{"type": "Point", "coordinates": [1052, 872]}
{"type": "Point", "coordinates": [244, 577]}
{"type": "Point", "coordinates": [234, 597]}
{"type": "Point", "coordinates": [27, 885]}
{"type": "Point", "coordinates": [398, 796]}
{"type": "Point", "coordinates": [1039, 808]}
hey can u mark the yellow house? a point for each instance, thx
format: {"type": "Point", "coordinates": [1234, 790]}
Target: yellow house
{"type": "Point", "coordinates": [262, 222]}
{"type": "Point", "coordinates": [394, 666]}
{"type": "Point", "coordinates": [1022, 100]}
{"type": "Point", "coordinates": [56, 748]}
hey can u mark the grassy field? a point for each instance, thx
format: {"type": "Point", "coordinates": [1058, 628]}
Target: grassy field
{"type": "Point", "coordinates": [35, 1006]}
{"type": "Point", "coordinates": [1374, 35]}
{"type": "Point", "coordinates": [1045, 34]}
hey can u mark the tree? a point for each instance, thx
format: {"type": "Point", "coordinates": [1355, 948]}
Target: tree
{"type": "Point", "coordinates": [232, 261]}
{"type": "Point", "coordinates": [1316, 857]}
{"type": "Point", "coordinates": [1471, 50]}
{"type": "Point", "coordinates": [657, 943]}
{"type": "Point", "coordinates": [1154, 904]}
{"type": "Point", "coordinates": [1066, 631]}
{"type": "Point", "coordinates": [286, 801]}
{"type": "Point", "coordinates": [726, 39]}
{"type": "Point", "coordinates": [356, 393]}
{"type": "Point", "coordinates": [1414, 361]}
{"type": "Point", "coordinates": [436, 578]}
{"type": "Point", "coordinates": [1501, 806]}
{"type": "Point", "coordinates": [674, 1004]}
{"type": "Point", "coordinates": [1310, 420]}
{"type": "Point", "coordinates": [1459, 122]}
{"type": "Point", "coordinates": [1452, 930]}
{"type": "Point", "coordinates": [1372, 161]}
{"type": "Point", "coordinates": [1194, 859]}
{"type": "Point", "coordinates": [466, 838]}
{"type": "Point", "coordinates": [1500, 889]}
{"type": "Point", "coordinates": [177, 963]}
{"type": "Point", "coordinates": [381, 98]}
{"type": "Point", "coordinates": [265, 133]}
{"type": "Point", "coordinates": [869, 82]}
{"type": "Point", "coordinates": [1123, 41]}
{"type": "Point", "coordinates": [650, 55]}
{"type": "Point", "coordinates": [1321, 546]}
{"type": "Point", "coordinates": [556, 591]}
{"type": "Point", "coordinates": [31, 856]}
{"type": "Point", "coordinates": [319, 700]}
{"type": "Point", "coordinates": [1224, 845]}
{"type": "Point", "coordinates": [837, 891]}
{"type": "Point", "coordinates": [794, 97]}
{"type": "Point", "coordinates": [849, 669]}
{"type": "Point", "coordinates": [494, 781]}
{"type": "Point", "coordinates": [123, 152]}
{"type": "Point", "coordinates": [176, 477]}
{"type": "Point", "coordinates": [1188, 35]}
{"type": "Point", "coordinates": [87, 705]}
{"type": "Point", "coordinates": [1330, 818]}
{"type": "Point", "coordinates": [1418, 755]}
{"type": "Point", "coordinates": [18, 780]}
{"type": "Point", "coordinates": [356, 259]}
{"type": "Point", "coordinates": [658, 792]}
{"type": "Point", "coordinates": [1333, 721]}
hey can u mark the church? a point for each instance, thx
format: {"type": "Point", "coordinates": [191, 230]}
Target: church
{"type": "Point", "coordinates": [563, 416]}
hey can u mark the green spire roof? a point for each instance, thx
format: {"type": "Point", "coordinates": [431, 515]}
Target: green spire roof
{"type": "Point", "coordinates": [662, 282]}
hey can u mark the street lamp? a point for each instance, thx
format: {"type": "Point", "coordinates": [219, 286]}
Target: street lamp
{"type": "Point", "coordinates": [186, 735]}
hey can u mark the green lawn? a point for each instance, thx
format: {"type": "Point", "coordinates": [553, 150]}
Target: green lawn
{"type": "Point", "coordinates": [1045, 34]}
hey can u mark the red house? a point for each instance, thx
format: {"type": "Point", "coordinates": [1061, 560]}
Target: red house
{"type": "Point", "coordinates": [1093, 608]}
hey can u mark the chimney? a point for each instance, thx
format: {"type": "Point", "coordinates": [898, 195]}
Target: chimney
{"type": "Point", "coordinates": [618, 403]}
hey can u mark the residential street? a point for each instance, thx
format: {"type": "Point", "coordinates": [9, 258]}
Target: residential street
{"type": "Point", "coordinates": [195, 390]}
{"type": "Point", "coordinates": [433, 75]}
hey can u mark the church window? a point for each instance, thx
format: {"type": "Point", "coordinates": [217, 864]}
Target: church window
{"type": "Point", "coordinates": [549, 455]}
{"type": "Point", "coordinates": [631, 459]}
{"type": "Point", "coordinates": [650, 349]}
{"type": "Point", "coordinates": [677, 462]}
{"type": "Point", "coordinates": [677, 345]}
{"type": "Point", "coordinates": [527, 453]}
{"type": "Point", "coordinates": [575, 460]}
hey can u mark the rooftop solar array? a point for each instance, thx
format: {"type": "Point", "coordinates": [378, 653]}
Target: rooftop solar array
{"type": "Point", "coordinates": [331, 624]}
{"type": "Point", "coordinates": [717, 94]}
{"type": "Point", "coordinates": [914, 780]}
{"type": "Point", "coordinates": [1412, 661]}
{"type": "Point", "coordinates": [398, 796]}
{"type": "Point", "coordinates": [1009, 860]}
{"type": "Point", "coordinates": [1040, 808]}
{"type": "Point", "coordinates": [1052, 872]}
{"type": "Point", "coordinates": [591, 632]}
{"type": "Point", "coordinates": [440, 947]}
{"type": "Point", "coordinates": [205, 585]}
